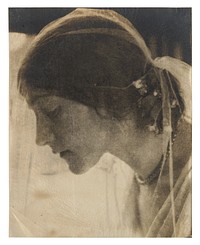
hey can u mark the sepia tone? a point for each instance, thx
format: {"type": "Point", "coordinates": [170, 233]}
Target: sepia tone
{"type": "Point", "coordinates": [50, 198]}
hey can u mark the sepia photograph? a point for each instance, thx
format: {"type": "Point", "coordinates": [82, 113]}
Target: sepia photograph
{"type": "Point", "coordinates": [100, 121]}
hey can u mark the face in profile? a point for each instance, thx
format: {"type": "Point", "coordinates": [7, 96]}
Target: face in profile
{"type": "Point", "coordinates": [72, 130]}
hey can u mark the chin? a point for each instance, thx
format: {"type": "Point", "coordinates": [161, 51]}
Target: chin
{"type": "Point", "coordinates": [79, 168]}
{"type": "Point", "coordinates": [78, 165]}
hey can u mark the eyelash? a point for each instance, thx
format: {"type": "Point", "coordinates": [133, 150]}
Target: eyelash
{"type": "Point", "coordinates": [54, 113]}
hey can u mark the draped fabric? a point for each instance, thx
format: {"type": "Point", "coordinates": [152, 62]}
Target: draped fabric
{"type": "Point", "coordinates": [162, 224]}
{"type": "Point", "coordinates": [57, 207]}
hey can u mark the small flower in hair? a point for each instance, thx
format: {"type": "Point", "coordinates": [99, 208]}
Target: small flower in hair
{"type": "Point", "coordinates": [138, 84]}
{"type": "Point", "coordinates": [141, 86]}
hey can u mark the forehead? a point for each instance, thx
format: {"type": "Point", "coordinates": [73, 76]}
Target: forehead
{"type": "Point", "coordinates": [48, 100]}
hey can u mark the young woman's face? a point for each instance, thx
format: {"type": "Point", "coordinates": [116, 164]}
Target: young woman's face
{"type": "Point", "coordinates": [72, 130]}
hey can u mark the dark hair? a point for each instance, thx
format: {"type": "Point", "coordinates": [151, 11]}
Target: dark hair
{"type": "Point", "coordinates": [79, 66]}
{"type": "Point", "coordinates": [87, 67]}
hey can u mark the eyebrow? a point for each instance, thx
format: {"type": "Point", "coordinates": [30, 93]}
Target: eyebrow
{"type": "Point", "coordinates": [31, 102]}
{"type": "Point", "coordinates": [41, 93]}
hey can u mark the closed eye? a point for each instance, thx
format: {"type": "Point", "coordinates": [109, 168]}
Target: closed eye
{"type": "Point", "coordinates": [54, 113]}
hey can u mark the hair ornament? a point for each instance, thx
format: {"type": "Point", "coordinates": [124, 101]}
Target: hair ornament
{"type": "Point", "coordinates": [141, 86]}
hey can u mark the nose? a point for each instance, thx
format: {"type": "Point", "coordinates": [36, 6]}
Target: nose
{"type": "Point", "coordinates": [44, 134]}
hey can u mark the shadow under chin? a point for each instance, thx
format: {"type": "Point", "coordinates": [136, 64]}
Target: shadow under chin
{"type": "Point", "coordinates": [80, 168]}
{"type": "Point", "coordinates": [77, 170]}
{"type": "Point", "coordinates": [78, 165]}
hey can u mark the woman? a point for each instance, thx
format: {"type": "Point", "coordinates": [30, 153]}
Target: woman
{"type": "Point", "coordinates": [94, 88]}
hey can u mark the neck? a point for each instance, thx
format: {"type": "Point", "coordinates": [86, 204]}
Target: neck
{"type": "Point", "coordinates": [139, 152]}
{"type": "Point", "coordinates": [181, 152]}
{"type": "Point", "coordinates": [145, 152]}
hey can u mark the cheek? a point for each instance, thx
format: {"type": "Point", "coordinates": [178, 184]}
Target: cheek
{"type": "Point", "coordinates": [69, 131]}
{"type": "Point", "coordinates": [80, 130]}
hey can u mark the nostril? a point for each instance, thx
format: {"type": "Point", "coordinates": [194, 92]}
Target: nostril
{"type": "Point", "coordinates": [39, 141]}
{"type": "Point", "coordinates": [44, 138]}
